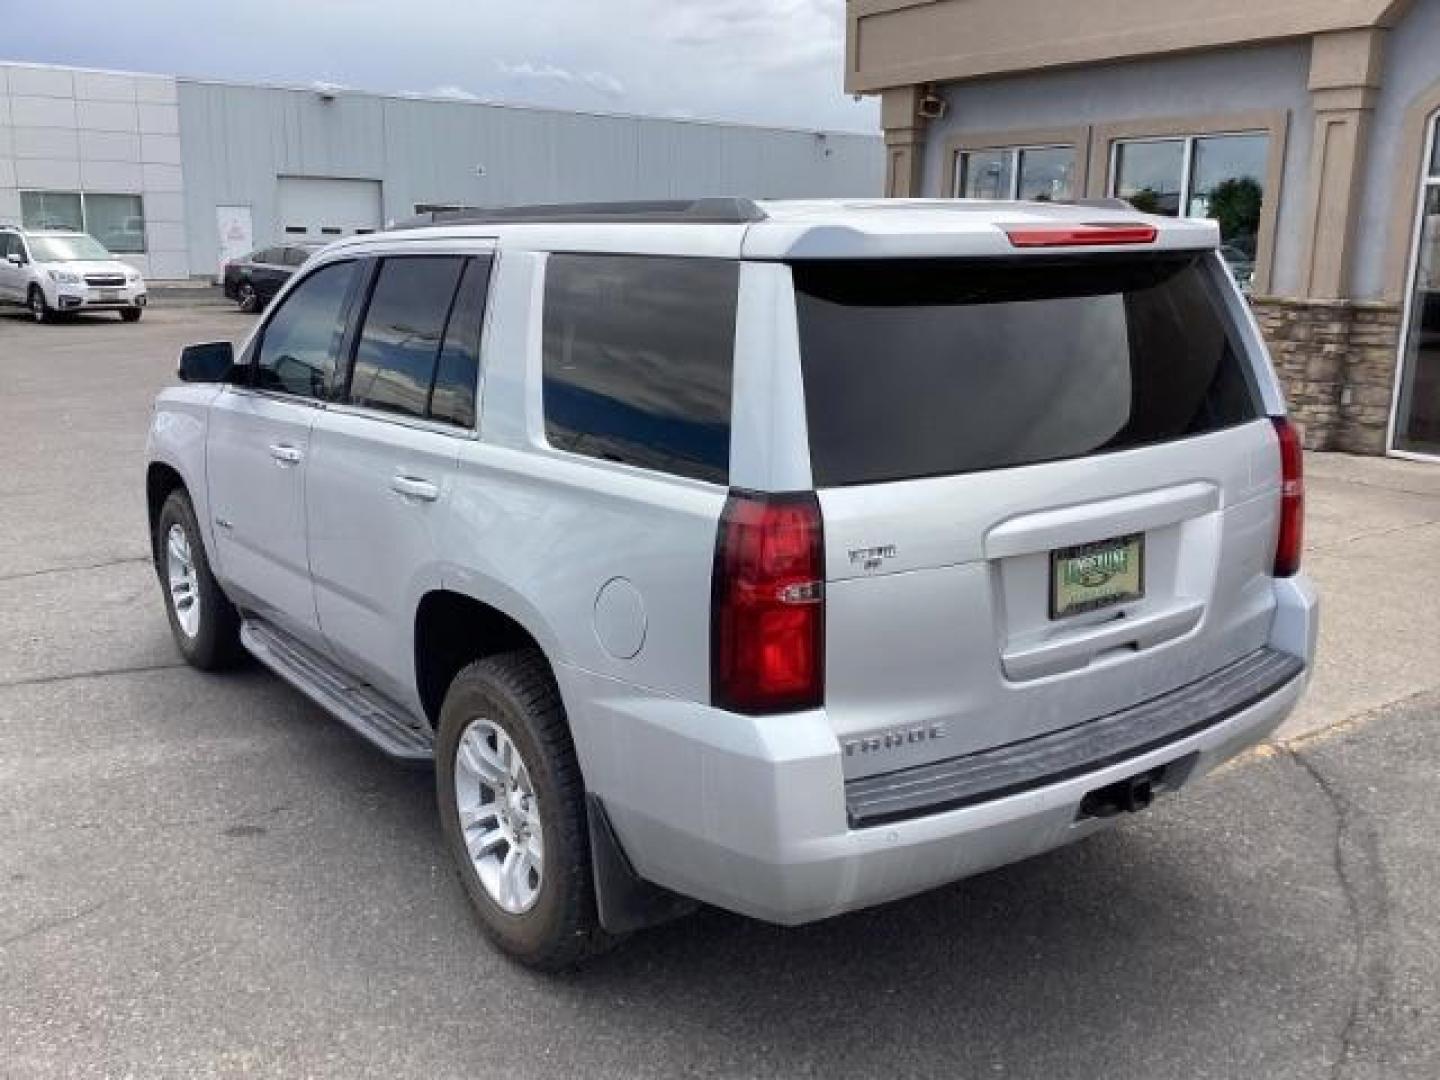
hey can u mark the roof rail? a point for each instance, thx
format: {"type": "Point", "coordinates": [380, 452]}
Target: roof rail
{"type": "Point", "coordinates": [1109, 203]}
{"type": "Point", "coordinates": [718, 211]}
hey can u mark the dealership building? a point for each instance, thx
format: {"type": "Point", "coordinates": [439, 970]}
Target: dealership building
{"type": "Point", "coordinates": [176, 174]}
{"type": "Point", "coordinates": [1306, 129]}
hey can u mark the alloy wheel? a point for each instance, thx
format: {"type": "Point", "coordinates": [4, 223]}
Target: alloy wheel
{"type": "Point", "coordinates": [499, 816]}
{"type": "Point", "coordinates": [183, 580]}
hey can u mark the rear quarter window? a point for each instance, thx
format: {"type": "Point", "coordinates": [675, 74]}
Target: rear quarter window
{"type": "Point", "coordinates": [638, 358]}
{"type": "Point", "coordinates": [920, 368]}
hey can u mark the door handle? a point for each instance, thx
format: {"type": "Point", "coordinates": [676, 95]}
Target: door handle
{"type": "Point", "coordinates": [285, 454]}
{"type": "Point", "coordinates": [414, 487]}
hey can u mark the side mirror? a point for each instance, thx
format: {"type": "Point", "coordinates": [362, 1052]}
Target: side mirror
{"type": "Point", "coordinates": [15, 259]}
{"type": "Point", "coordinates": [211, 362]}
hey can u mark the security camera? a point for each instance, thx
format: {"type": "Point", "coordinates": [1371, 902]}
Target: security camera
{"type": "Point", "coordinates": [933, 106]}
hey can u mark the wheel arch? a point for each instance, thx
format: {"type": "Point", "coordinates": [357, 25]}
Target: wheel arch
{"type": "Point", "coordinates": [161, 479]}
{"type": "Point", "coordinates": [454, 628]}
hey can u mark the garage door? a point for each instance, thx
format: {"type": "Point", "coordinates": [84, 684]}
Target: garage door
{"type": "Point", "coordinates": [318, 207]}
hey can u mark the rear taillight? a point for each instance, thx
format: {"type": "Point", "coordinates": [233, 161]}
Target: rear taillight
{"type": "Point", "coordinates": [1292, 500]}
{"type": "Point", "coordinates": [767, 614]}
{"type": "Point", "coordinates": [1085, 235]}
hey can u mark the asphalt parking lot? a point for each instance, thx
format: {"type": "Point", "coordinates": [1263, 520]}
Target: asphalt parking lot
{"type": "Point", "coordinates": [204, 876]}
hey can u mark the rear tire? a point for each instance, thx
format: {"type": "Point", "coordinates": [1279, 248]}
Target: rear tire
{"type": "Point", "coordinates": [204, 623]}
{"type": "Point", "coordinates": [40, 309]}
{"type": "Point", "coordinates": [130, 314]}
{"type": "Point", "coordinates": [504, 744]}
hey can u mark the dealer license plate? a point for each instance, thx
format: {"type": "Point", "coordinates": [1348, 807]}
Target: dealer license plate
{"type": "Point", "coordinates": [1099, 575]}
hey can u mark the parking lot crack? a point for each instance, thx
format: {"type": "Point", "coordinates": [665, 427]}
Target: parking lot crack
{"type": "Point", "coordinates": [46, 925]}
{"type": "Point", "coordinates": [1372, 534]}
{"type": "Point", "coordinates": [100, 673]}
{"type": "Point", "coordinates": [1358, 870]}
{"type": "Point", "coordinates": [47, 571]}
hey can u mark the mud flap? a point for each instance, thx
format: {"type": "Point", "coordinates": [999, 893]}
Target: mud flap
{"type": "Point", "coordinates": [625, 901]}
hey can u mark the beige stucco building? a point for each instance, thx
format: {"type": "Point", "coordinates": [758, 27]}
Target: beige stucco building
{"type": "Point", "coordinates": [1307, 128]}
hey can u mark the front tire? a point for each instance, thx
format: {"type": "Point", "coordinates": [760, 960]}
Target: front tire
{"type": "Point", "coordinates": [204, 623]}
{"type": "Point", "coordinates": [40, 309]}
{"type": "Point", "coordinates": [130, 314]}
{"type": "Point", "coordinates": [247, 297]}
{"type": "Point", "coordinates": [512, 809]}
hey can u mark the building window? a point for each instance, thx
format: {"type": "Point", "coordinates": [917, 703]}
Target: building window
{"type": "Point", "coordinates": [1211, 176]}
{"type": "Point", "coordinates": [117, 221]}
{"type": "Point", "coordinates": [1042, 173]}
{"type": "Point", "coordinates": [51, 210]}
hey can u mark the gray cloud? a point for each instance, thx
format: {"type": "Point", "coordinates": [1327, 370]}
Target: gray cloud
{"type": "Point", "coordinates": [762, 61]}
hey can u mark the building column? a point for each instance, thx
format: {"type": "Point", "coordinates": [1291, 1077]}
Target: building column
{"type": "Point", "coordinates": [904, 140]}
{"type": "Point", "coordinates": [1345, 73]}
{"type": "Point", "coordinates": [1336, 353]}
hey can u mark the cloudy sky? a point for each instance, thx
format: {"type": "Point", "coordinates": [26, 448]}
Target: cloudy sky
{"type": "Point", "coordinates": [766, 61]}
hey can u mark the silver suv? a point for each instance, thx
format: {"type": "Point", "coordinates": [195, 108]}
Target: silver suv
{"type": "Point", "coordinates": [54, 272]}
{"type": "Point", "coordinates": [791, 557]}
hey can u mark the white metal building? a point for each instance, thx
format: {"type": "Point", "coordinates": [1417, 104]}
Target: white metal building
{"type": "Point", "coordinates": [176, 174]}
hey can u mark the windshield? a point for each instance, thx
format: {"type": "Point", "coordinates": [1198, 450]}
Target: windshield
{"type": "Point", "coordinates": [67, 248]}
{"type": "Point", "coordinates": [919, 368]}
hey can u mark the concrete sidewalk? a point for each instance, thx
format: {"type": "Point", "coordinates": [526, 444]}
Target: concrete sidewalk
{"type": "Point", "coordinates": [1373, 548]}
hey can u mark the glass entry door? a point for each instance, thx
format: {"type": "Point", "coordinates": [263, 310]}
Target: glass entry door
{"type": "Point", "coordinates": [1417, 406]}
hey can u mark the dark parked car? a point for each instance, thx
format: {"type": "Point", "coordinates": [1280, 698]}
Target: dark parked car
{"type": "Point", "coordinates": [253, 281]}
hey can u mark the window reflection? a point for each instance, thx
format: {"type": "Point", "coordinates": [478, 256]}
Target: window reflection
{"type": "Point", "coordinates": [1047, 174]}
{"type": "Point", "coordinates": [1149, 175]}
{"type": "Point", "coordinates": [1417, 425]}
{"type": "Point", "coordinates": [638, 360]}
{"type": "Point", "coordinates": [1225, 182]}
{"type": "Point", "coordinates": [1228, 185]}
{"type": "Point", "coordinates": [986, 174]}
{"type": "Point", "coordinates": [396, 356]}
{"type": "Point", "coordinates": [1040, 173]}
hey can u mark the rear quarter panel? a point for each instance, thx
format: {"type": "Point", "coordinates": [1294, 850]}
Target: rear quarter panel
{"type": "Point", "coordinates": [607, 566]}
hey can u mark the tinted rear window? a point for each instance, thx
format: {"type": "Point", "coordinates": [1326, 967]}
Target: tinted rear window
{"type": "Point", "coordinates": [400, 339]}
{"type": "Point", "coordinates": [638, 360]}
{"type": "Point", "coordinates": [931, 368]}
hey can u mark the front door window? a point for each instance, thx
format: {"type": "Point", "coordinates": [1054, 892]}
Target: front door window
{"type": "Point", "coordinates": [1417, 417]}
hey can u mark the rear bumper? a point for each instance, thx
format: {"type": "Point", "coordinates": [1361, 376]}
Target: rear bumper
{"type": "Point", "coordinates": [751, 814]}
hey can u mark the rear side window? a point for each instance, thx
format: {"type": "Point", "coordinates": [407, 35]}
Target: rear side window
{"type": "Point", "coordinates": [930, 368]}
{"type": "Point", "coordinates": [639, 354]}
{"type": "Point", "coordinates": [400, 338]}
{"type": "Point", "coordinates": [418, 350]}
{"type": "Point", "coordinates": [453, 397]}
{"type": "Point", "coordinates": [301, 342]}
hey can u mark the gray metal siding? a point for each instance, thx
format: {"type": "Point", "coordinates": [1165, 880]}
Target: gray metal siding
{"type": "Point", "coordinates": [236, 140]}
{"type": "Point", "coordinates": [1205, 84]}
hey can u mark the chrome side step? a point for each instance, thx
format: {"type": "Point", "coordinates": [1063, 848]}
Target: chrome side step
{"type": "Point", "coordinates": [350, 701]}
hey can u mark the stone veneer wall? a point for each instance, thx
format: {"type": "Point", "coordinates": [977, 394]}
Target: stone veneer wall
{"type": "Point", "coordinates": [1336, 360]}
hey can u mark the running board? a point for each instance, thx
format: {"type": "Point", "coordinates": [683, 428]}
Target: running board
{"type": "Point", "coordinates": [350, 701]}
